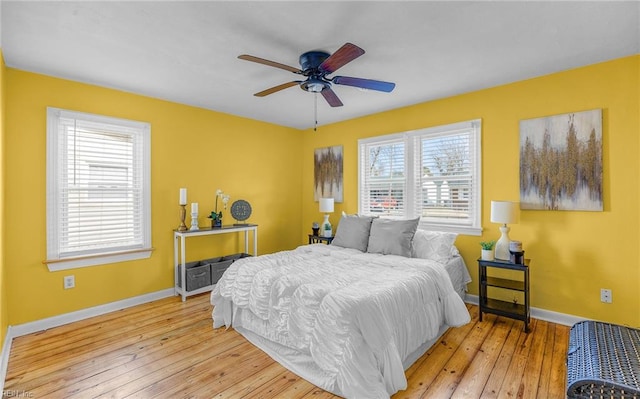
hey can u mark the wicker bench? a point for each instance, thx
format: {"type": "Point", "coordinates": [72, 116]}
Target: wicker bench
{"type": "Point", "coordinates": [603, 361]}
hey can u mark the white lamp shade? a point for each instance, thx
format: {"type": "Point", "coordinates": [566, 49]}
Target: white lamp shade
{"type": "Point", "coordinates": [504, 212]}
{"type": "Point", "coordinates": [326, 205]}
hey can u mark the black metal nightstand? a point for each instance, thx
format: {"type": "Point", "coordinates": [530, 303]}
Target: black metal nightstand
{"type": "Point", "coordinates": [318, 239]}
{"type": "Point", "coordinates": [503, 308]}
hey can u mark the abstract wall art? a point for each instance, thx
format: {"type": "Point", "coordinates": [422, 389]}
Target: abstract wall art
{"type": "Point", "coordinates": [327, 173]}
{"type": "Point", "coordinates": [561, 162]}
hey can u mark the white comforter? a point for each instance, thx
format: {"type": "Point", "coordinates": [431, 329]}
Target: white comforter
{"type": "Point", "coordinates": [347, 318]}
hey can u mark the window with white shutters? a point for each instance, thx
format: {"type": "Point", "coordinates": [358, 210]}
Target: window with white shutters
{"type": "Point", "coordinates": [431, 173]}
{"type": "Point", "coordinates": [98, 189]}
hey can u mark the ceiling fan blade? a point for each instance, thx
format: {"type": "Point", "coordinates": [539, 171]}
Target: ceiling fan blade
{"type": "Point", "coordinates": [342, 56]}
{"type": "Point", "coordinates": [277, 88]}
{"type": "Point", "coordinates": [364, 83]}
{"type": "Point", "coordinates": [331, 97]}
{"type": "Point", "coordinates": [269, 63]}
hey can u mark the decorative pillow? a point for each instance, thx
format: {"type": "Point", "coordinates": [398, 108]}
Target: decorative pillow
{"type": "Point", "coordinates": [392, 237]}
{"type": "Point", "coordinates": [353, 232]}
{"type": "Point", "coordinates": [434, 245]}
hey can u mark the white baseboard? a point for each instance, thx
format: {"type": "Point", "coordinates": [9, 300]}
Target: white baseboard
{"type": "Point", "coordinates": [540, 314]}
{"type": "Point", "coordinates": [55, 321]}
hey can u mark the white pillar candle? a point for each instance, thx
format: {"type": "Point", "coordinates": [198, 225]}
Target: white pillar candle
{"type": "Point", "coordinates": [183, 196]}
{"type": "Point", "coordinates": [194, 207]}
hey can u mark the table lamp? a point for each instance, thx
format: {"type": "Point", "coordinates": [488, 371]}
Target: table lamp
{"type": "Point", "coordinates": [326, 207]}
{"type": "Point", "coordinates": [503, 212]}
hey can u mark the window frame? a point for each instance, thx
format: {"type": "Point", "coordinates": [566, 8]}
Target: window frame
{"type": "Point", "coordinates": [412, 151]}
{"type": "Point", "coordinates": [56, 162]}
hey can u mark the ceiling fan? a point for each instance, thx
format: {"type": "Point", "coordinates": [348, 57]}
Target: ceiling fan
{"type": "Point", "coordinates": [316, 65]}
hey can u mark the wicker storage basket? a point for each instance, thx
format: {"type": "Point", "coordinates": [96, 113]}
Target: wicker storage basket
{"type": "Point", "coordinates": [218, 269]}
{"type": "Point", "coordinates": [197, 275]}
{"type": "Point", "coordinates": [603, 361]}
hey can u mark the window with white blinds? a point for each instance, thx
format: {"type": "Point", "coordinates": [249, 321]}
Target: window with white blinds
{"type": "Point", "coordinates": [431, 173]}
{"type": "Point", "coordinates": [383, 175]}
{"type": "Point", "coordinates": [98, 189]}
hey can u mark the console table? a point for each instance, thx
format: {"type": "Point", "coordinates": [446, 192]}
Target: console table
{"type": "Point", "coordinates": [180, 252]}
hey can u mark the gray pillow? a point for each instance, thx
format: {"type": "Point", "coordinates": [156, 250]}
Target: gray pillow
{"type": "Point", "coordinates": [353, 232]}
{"type": "Point", "coordinates": [392, 237]}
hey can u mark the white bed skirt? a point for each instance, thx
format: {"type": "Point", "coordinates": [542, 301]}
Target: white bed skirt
{"type": "Point", "coordinates": [303, 365]}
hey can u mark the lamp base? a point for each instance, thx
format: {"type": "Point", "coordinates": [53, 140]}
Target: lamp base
{"type": "Point", "coordinates": [502, 246]}
{"type": "Point", "coordinates": [327, 230]}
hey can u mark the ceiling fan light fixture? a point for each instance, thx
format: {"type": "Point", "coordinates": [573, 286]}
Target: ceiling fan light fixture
{"type": "Point", "coordinates": [314, 85]}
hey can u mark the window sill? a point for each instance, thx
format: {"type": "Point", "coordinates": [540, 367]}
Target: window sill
{"type": "Point", "coordinates": [463, 230]}
{"type": "Point", "coordinates": [95, 260]}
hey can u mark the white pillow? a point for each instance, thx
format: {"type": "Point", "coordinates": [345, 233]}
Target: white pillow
{"type": "Point", "coordinates": [434, 245]}
{"type": "Point", "coordinates": [392, 237]}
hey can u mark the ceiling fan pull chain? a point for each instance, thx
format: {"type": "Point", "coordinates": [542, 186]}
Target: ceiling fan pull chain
{"type": "Point", "coordinates": [315, 112]}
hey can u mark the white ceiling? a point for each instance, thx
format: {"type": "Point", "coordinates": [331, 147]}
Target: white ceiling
{"type": "Point", "coordinates": [186, 52]}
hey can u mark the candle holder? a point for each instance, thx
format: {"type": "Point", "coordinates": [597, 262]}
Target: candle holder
{"type": "Point", "coordinates": [194, 221]}
{"type": "Point", "coordinates": [183, 215]}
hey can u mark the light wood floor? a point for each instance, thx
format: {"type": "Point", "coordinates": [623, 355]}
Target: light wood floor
{"type": "Point", "coordinates": [168, 349]}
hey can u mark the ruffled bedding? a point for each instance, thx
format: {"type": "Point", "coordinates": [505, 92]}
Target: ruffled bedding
{"type": "Point", "coordinates": [343, 319]}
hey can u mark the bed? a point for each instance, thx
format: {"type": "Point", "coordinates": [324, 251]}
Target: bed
{"type": "Point", "coordinates": [349, 317]}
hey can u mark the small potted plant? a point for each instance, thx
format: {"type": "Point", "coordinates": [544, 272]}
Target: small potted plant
{"type": "Point", "coordinates": [487, 249]}
{"type": "Point", "coordinates": [216, 217]}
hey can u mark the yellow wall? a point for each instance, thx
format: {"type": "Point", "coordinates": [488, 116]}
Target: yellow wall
{"type": "Point", "coordinates": [3, 290]}
{"type": "Point", "coordinates": [190, 147]}
{"type": "Point", "coordinates": [574, 253]}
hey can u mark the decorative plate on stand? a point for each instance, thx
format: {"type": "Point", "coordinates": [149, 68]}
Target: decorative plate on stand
{"type": "Point", "coordinates": [240, 210]}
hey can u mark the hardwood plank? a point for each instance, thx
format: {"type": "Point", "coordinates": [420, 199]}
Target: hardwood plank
{"type": "Point", "coordinates": [276, 387]}
{"type": "Point", "coordinates": [497, 377]}
{"type": "Point", "coordinates": [129, 383]}
{"type": "Point", "coordinates": [533, 367]}
{"type": "Point", "coordinates": [227, 370]}
{"type": "Point", "coordinates": [448, 378]}
{"type": "Point", "coordinates": [424, 375]}
{"type": "Point", "coordinates": [557, 384]}
{"type": "Point", "coordinates": [168, 349]}
{"type": "Point", "coordinates": [239, 390]}
{"type": "Point", "coordinates": [480, 368]}
{"type": "Point", "coordinates": [318, 393]}
{"type": "Point", "coordinates": [545, 373]}
{"type": "Point", "coordinates": [82, 343]}
{"type": "Point", "coordinates": [151, 357]}
{"type": "Point", "coordinates": [100, 345]}
{"type": "Point", "coordinates": [294, 390]}
{"type": "Point", "coordinates": [511, 386]}
{"type": "Point", "coordinates": [473, 312]}
{"type": "Point", "coordinates": [71, 330]}
{"type": "Point", "coordinates": [119, 361]}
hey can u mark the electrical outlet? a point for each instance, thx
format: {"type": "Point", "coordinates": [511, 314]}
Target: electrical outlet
{"type": "Point", "coordinates": [605, 295]}
{"type": "Point", "coordinates": [69, 282]}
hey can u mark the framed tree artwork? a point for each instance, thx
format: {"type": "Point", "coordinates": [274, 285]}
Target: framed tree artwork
{"type": "Point", "coordinates": [561, 162]}
{"type": "Point", "coordinates": [327, 173]}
